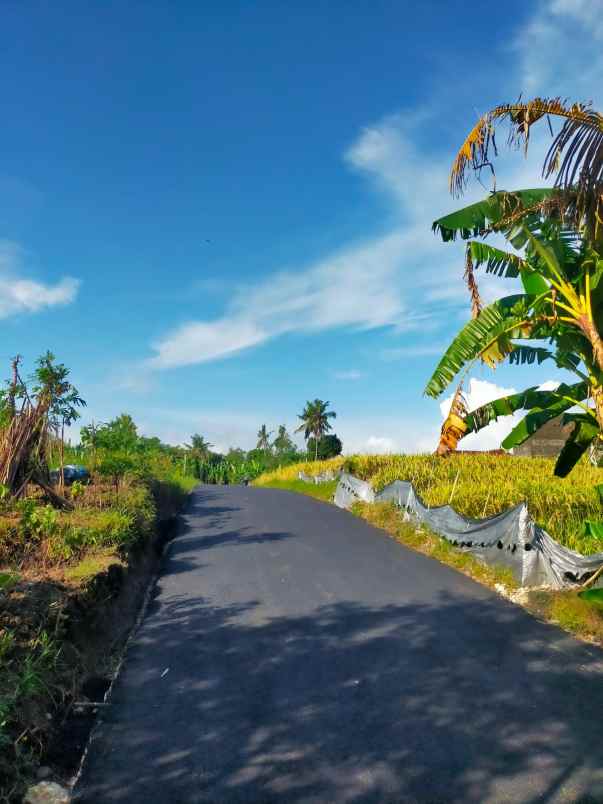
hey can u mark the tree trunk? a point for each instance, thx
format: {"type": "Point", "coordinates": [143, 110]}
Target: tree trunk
{"type": "Point", "coordinates": [12, 394]}
{"type": "Point", "coordinates": [62, 457]}
{"type": "Point", "coordinates": [315, 447]}
{"type": "Point", "coordinates": [590, 330]}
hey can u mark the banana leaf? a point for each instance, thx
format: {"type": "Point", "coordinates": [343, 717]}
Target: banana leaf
{"type": "Point", "coordinates": [498, 262]}
{"type": "Point", "coordinates": [478, 218]}
{"type": "Point", "coordinates": [497, 322]}
{"type": "Point", "coordinates": [593, 529]}
{"type": "Point", "coordinates": [529, 354]}
{"type": "Point", "coordinates": [592, 596]}
{"type": "Point", "coordinates": [584, 433]}
{"type": "Point", "coordinates": [531, 399]}
{"type": "Point", "coordinates": [550, 407]}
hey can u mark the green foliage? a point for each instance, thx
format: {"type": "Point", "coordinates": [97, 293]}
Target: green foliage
{"type": "Point", "coordinates": [8, 580]}
{"type": "Point", "coordinates": [582, 436]}
{"type": "Point", "coordinates": [544, 405]}
{"type": "Point", "coordinates": [562, 273]}
{"type": "Point", "coordinates": [51, 381]}
{"type": "Point", "coordinates": [263, 439]}
{"type": "Point", "coordinates": [498, 262]}
{"type": "Point", "coordinates": [320, 491]}
{"type": "Point", "coordinates": [118, 435]}
{"type": "Point", "coordinates": [76, 489]}
{"type": "Point", "coordinates": [115, 465]}
{"type": "Point", "coordinates": [498, 322]}
{"type": "Point", "coordinates": [487, 215]}
{"type": "Point", "coordinates": [283, 444]}
{"type": "Point", "coordinates": [199, 448]}
{"type": "Point", "coordinates": [329, 446]}
{"type": "Point", "coordinates": [594, 596]}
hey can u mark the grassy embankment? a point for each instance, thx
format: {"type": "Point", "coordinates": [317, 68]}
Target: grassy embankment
{"type": "Point", "coordinates": [60, 572]}
{"type": "Point", "coordinates": [478, 486]}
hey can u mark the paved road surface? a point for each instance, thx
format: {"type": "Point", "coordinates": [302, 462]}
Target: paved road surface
{"type": "Point", "coordinates": [292, 653]}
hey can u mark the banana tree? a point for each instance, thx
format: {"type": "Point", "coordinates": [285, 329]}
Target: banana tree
{"type": "Point", "coordinates": [562, 303]}
{"type": "Point", "coordinates": [560, 230]}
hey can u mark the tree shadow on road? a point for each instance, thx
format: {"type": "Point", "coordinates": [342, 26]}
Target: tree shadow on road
{"type": "Point", "coordinates": [452, 701]}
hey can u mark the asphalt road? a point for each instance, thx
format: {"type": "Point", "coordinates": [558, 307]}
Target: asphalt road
{"type": "Point", "coordinates": [292, 653]}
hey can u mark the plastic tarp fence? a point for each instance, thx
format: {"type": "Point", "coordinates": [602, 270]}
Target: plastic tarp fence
{"type": "Point", "coordinates": [510, 539]}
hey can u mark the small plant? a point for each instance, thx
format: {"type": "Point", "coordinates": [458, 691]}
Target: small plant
{"type": "Point", "coordinates": [26, 509]}
{"type": "Point", "coordinates": [115, 466]}
{"type": "Point", "coordinates": [7, 641]}
{"type": "Point", "coordinates": [44, 521]}
{"type": "Point", "coordinates": [77, 489]}
{"type": "Point", "coordinates": [8, 580]}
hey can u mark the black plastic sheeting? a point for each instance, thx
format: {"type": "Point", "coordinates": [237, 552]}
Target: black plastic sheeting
{"type": "Point", "coordinates": [511, 539]}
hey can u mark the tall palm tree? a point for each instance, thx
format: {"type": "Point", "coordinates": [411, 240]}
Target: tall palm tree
{"type": "Point", "coordinates": [315, 421]}
{"type": "Point", "coordinates": [264, 438]}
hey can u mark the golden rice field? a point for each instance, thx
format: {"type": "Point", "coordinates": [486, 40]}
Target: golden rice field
{"type": "Point", "coordinates": [482, 485]}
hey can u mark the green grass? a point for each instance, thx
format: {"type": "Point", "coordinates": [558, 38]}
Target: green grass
{"type": "Point", "coordinates": [57, 554]}
{"type": "Point", "coordinates": [91, 565]}
{"type": "Point", "coordinates": [321, 491]}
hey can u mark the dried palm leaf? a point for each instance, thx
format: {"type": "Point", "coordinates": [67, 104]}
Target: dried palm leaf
{"type": "Point", "coordinates": [454, 427]}
{"type": "Point", "coordinates": [575, 157]}
{"type": "Point", "coordinates": [469, 276]}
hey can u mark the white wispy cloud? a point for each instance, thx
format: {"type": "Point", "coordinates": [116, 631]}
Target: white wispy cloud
{"type": "Point", "coordinates": [21, 295]}
{"type": "Point", "coordinates": [350, 374]}
{"type": "Point", "coordinates": [412, 351]}
{"type": "Point", "coordinates": [357, 287]}
{"type": "Point", "coordinates": [560, 50]}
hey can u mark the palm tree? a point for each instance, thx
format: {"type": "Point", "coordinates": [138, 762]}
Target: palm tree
{"type": "Point", "coordinates": [315, 421]}
{"type": "Point", "coordinates": [199, 447]}
{"type": "Point", "coordinates": [561, 268]}
{"type": "Point", "coordinates": [264, 439]}
{"type": "Point", "coordinates": [282, 443]}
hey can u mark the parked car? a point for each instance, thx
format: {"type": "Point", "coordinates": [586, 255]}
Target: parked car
{"type": "Point", "coordinates": [71, 472]}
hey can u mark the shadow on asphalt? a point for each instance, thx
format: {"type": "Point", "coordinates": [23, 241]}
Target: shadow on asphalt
{"type": "Point", "coordinates": [350, 704]}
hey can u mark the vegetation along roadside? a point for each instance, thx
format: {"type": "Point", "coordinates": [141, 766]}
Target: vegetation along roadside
{"type": "Point", "coordinates": [76, 556]}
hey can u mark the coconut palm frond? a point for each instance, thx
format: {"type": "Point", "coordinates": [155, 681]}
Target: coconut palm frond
{"type": "Point", "coordinates": [480, 144]}
{"type": "Point", "coordinates": [575, 157]}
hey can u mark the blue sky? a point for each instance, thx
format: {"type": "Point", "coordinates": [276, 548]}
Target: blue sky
{"type": "Point", "coordinates": [214, 211]}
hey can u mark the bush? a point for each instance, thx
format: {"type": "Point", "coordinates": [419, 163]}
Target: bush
{"type": "Point", "coordinates": [329, 446]}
